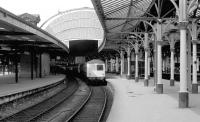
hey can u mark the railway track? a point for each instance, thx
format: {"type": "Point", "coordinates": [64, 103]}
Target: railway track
{"type": "Point", "coordinates": [89, 108]}
{"type": "Point", "coordinates": [36, 111]}
{"type": "Point", "coordinates": [92, 110]}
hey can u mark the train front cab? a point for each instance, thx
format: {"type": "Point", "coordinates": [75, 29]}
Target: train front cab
{"type": "Point", "coordinates": [96, 74]}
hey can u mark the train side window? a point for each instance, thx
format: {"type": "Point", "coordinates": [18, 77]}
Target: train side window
{"type": "Point", "coordinates": [99, 67]}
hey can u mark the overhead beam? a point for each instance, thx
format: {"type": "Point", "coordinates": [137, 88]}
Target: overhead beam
{"type": "Point", "coordinates": [100, 13]}
{"type": "Point", "coordinates": [19, 42]}
{"type": "Point", "coordinates": [132, 18]}
{"type": "Point", "coordinates": [13, 33]}
{"type": "Point", "coordinates": [139, 18]}
{"type": "Point", "coordinates": [129, 32]}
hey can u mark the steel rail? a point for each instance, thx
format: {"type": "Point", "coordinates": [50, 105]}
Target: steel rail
{"type": "Point", "coordinates": [80, 107]}
{"type": "Point", "coordinates": [104, 105]}
{"type": "Point", "coordinates": [84, 112]}
{"type": "Point", "coordinates": [31, 114]}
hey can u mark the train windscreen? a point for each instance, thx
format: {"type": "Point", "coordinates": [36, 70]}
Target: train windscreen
{"type": "Point", "coordinates": [99, 67]}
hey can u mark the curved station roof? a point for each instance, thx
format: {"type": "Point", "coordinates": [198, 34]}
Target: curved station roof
{"type": "Point", "coordinates": [76, 24]}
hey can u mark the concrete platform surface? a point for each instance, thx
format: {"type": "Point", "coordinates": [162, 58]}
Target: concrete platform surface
{"type": "Point", "coordinates": [24, 84]}
{"type": "Point", "coordinates": [135, 103]}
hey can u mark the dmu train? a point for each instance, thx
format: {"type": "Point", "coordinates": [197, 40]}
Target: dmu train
{"type": "Point", "coordinates": [93, 72]}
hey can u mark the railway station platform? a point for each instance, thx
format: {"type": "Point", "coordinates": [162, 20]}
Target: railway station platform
{"type": "Point", "coordinates": [8, 85]}
{"type": "Point", "coordinates": [135, 103]}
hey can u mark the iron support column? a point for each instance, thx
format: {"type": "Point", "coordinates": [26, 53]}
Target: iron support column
{"type": "Point", "coordinates": [111, 65]}
{"type": "Point", "coordinates": [159, 85]}
{"type": "Point", "coordinates": [172, 68]}
{"type": "Point", "coordinates": [146, 82]}
{"type": "Point", "coordinates": [136, 67]}
{"type": "Point", "coordinates": [122, 62]}
{"type": "Point", "coordinates": [194, 70]}
{"type": "Point", "coordinates": [149, 67]}
{"type": "Point", "coordinates": [117, 64]}
{"type": "Point", "coordinates": [183, 93]}
{"type": "Point", "coordinates": [129, 63]}
{"type": "Point", "coordinates": [194, 57]}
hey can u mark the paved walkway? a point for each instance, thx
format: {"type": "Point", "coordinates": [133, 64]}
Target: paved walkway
{"type": "Point", "coordinates": [7, 86]}
{"type": "Point", "coordinates": [135, 103]}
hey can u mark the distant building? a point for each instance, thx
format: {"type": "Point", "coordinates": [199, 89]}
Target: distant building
{"type": "Point", "coordinates": [32, 18]}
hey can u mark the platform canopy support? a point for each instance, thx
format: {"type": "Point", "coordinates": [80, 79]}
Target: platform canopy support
{"type": "Point", "coordinates": [129, 62]}
{"type": "Point", "coordinates": [172, 41]}
{"type": "Point", "coordinates": [183, 93]}
{"type": "Point", "coordinates": [117, 64]}
{"type": "Point", "coordinates": [194, 57]}
{"type": "Point", "coordinates": [159, 83]}
{"type": "Point", "coordinates": [149, 66]}
{"type": "Point", "coordinates": [172, 67]}
{"type": "Point", "coordinates": [146, 49]}
{"type": "Point", "coordinates": [122, 62]}
{"type": "Point", "coordinates": [136, 62]}
{"type": "Point", "coordinates": [111, 65]}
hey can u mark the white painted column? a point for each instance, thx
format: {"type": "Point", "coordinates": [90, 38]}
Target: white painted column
{"type": "Point", "coordinates": [194, 69]}
{"type": "Point", "coordinates": [129, 63]}
{"type": "Point", "coordinates": [136, 61]}
{"type": "Point", "coordinates": [149, 66]}
{"type": "Point", "coordinates": [194, 81]}
{"type": "Point", "coordinates": [146, 65]}
{"type": "Point", "coordinates": [159, 85]}
{"type": "Point", "coordinates": [136, 67]}
{"type": "Point", "coordinates": [146, 69]}
{"type": "Point", "coordinates": [159, 64]}
{"type": "Point", "coordinates": [194, 57]}
{"type": "Point", "coordinates": [163, 65]}
{"type": "Point", "coordinates": [172, 68]}
{"type": "Point", "coordinates": [122, 63]}
{"type": "Point", "coordinates": [111, 65]}
{"type": "Point", "coordinates": [183, 62]}
{"type": "Point", "coordinates": [183, 93]}
{"type": "Point", "coordinates": [172, 44]}
{"type": "Point", "coordinates": [146, 83]}
{"type": "Point", "coordinates": [117, 64]}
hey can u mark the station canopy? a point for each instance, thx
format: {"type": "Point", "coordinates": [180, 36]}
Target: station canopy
{"type": "Point", "coordinates": [18, 34]}
{"type": "Point", "coordinates": [122, 18]}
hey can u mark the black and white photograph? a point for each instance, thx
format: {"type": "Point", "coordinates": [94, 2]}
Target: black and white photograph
{"type": "Point", "coordinates": [99, 60]}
